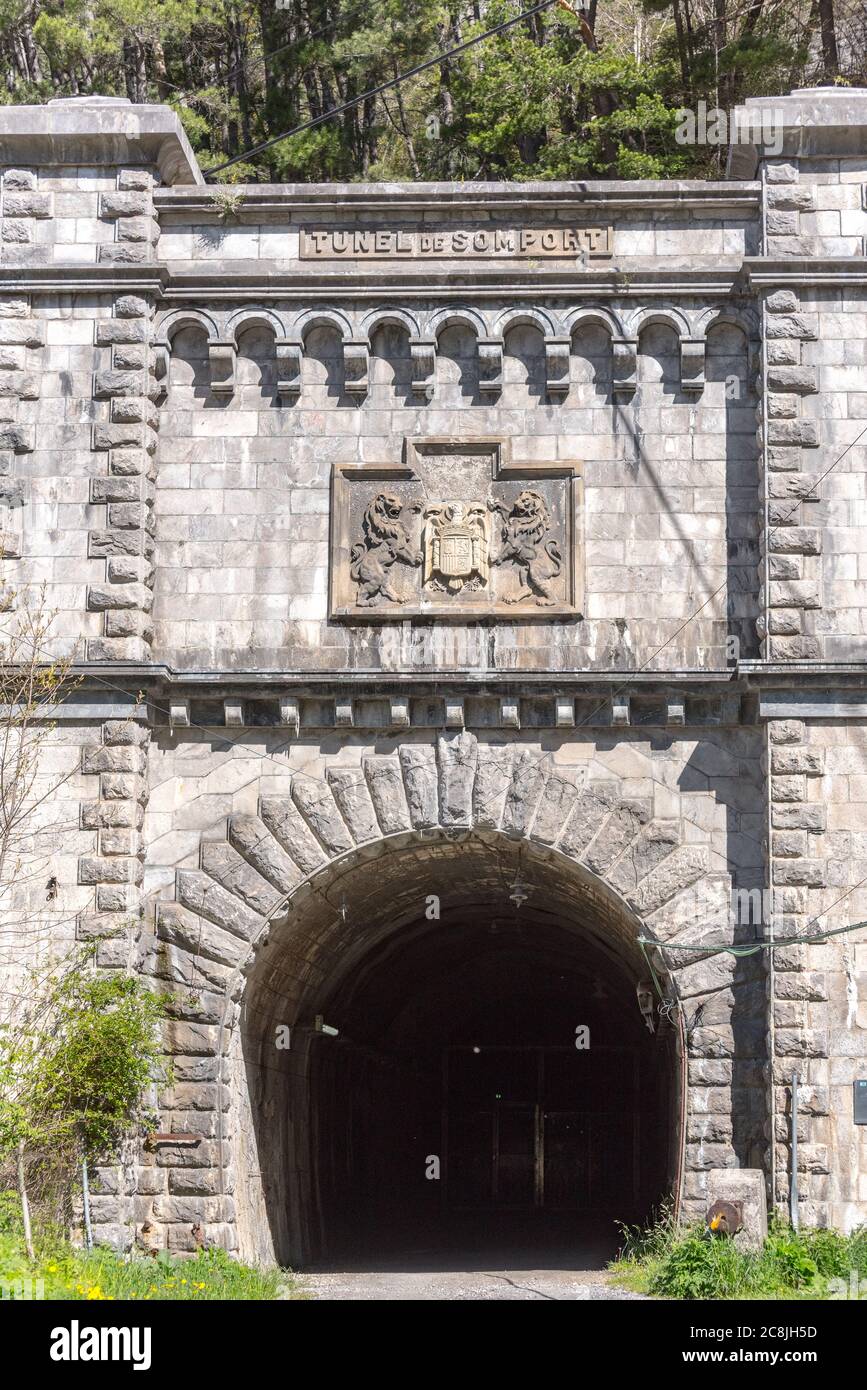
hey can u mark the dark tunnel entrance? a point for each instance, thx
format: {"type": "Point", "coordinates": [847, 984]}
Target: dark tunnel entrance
{"type": "Point", "coordinates": [493, 1084]}
{"type": "Point", "coordinates": [492, 1087]}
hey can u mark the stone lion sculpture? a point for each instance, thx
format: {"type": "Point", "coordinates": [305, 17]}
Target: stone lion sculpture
{"type": "Point", "coordinates": [525, 524]}
{"type": "Point", "coordinates": [386, 543]}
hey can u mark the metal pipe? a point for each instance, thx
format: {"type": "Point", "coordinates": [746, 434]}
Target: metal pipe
{"type": "Point", "coordinates": [85, 1192]}
{"type": "Point", "coordinates": [793, 1183]}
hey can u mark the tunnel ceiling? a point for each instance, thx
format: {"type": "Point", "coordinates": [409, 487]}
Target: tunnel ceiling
{"type": "Point", "coordinates": [361, 940]}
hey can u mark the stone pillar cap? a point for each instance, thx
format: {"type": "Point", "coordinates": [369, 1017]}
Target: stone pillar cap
{"type": "Point", "coordinates": [98, 131]}
{"type": "Point", "coordinates": [810, 122]}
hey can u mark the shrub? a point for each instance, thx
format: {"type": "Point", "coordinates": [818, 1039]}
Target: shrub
{"type": "Point", "coordinates": [689, 1262]}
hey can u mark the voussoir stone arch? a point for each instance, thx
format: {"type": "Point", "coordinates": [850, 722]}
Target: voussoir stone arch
{"type": "Point", "coordinates": [669, 318]}
{"type": "Point", "coordinates": [383, 318]}
{"type": "Point", "coordinates": [223, 909]}
{"type": "Point", "coordinates": [305, 322]}
{"type": "Point", "coordinates": [594, 314]}
{"type": "Point", "coordinates": [541, 319]}
{"type": "Point", "coordinates": [243, 319]}
{"type": "Point", "coordinates": [457, 315]}
{"type": "Point", "coordinates": [743, 317]}
{"type": "Point", "coordinates": [179, 319]}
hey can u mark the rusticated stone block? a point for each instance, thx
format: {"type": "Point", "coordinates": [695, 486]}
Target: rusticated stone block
{"type": "Point", "coordinates": [123, 204]}
{"type": "Point", "coordinates": [787, 760]}
{"type": "Point", "coordinates": [107, 870]}
{"type": "Point", "coordinates": [119, 596]}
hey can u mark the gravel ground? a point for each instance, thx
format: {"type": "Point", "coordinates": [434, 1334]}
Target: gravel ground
{"type": "Point", "coordinates": [557, 1285]}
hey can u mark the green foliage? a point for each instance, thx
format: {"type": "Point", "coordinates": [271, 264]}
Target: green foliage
{"type": "Point", "coordinates": [75, 1071]}
{"type": "Point", "coordinates": [545, 99]}
{"type": "Point", "coordinates": [787, 1258]}
{"type": "Point", "coordinates": [80, 1275]}
{"type": "Point", "coordinates": [701, 1266]}
{"type": "Point", "coordinates": [673, 1261]}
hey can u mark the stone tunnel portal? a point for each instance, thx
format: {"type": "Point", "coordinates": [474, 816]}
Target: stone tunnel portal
{"type": "Point", "coordinates": [491, 1083]}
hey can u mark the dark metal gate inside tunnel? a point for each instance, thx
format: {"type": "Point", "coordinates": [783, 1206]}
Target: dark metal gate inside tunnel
{"type": "Point", "coordinates": [550, 1128]}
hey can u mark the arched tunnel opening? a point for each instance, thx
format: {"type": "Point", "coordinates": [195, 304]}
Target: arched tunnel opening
{"type": "Point", "coordinates": [470, 1076]}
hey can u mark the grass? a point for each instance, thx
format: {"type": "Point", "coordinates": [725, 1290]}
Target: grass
{"type": "Point", "coordinates": [61, 1271]}
{"type": "Point", "coordinates": [687, 1262]}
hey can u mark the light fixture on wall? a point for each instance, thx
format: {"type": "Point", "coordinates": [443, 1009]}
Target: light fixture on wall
{"type": "Point", "coordinates": [645, 1004]}
{"type": "Point", "coordinates": [520, 892]}
{"type": "Point", "coordinates": [320, 1026]}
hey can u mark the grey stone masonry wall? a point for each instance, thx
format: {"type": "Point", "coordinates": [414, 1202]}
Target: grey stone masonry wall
{"type": "Point", "coordinates": [392, 525]}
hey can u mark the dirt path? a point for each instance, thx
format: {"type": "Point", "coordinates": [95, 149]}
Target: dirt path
{"type": "Point", "coordinates": [551, 1285]}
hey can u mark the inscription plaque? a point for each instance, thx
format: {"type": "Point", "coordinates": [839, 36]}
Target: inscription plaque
{"type": "Point", "coordinates": [455, 243]}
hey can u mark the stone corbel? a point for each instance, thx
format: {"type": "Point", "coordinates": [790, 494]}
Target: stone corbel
{"type": "Point", "coordinates": [221, 355]}
{"type": "Point", "coordinates": [490, 366]}
{"type": "Point", "coordinates": [557, 353]}
{"type": "Point", "coordinates": [179, 714]}
{"type": "Point", "coordinates": [675, 710]}
{"type": "Point", "coordinates": [356, 354]}
{"type": "Point", "coordinates": [620, 711]}
{"type": "Point", "coordinates": [344, 712]}
{"type": "Point", "coordinates": [290, 714]}
{"type": "Point", "coordinates": [233, 714]}
{"type": "Point", "coordinates": [564, 712]}
{"type": "Point", "coordinates": [624, 353]}
{"type": "Point", "coordinates": [454, 712]}
{"type": "Point", "coordinates": [692, 353]}
{"type": "Point", "coordinates": [510, 713]}
{"type": "Point", "coordinates": [399, 712]}
{"type": "Point", "coordinates": [289, 353]}
{"type": "Point", "coordinates": [424, 355]}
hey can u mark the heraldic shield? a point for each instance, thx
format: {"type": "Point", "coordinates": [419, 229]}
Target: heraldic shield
{"type": "Point", "coordinates": [455, 546]}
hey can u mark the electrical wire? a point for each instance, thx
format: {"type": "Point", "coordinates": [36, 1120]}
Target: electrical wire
{"type": "Point", "coordinates": [756, 946]}
{"type": "Point", "coordinates": [383, 87]}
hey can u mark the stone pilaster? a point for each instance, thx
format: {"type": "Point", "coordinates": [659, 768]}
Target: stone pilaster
{"type": "Point", "coordinates": [128, 440]}
{"type": "Point", "coordinates": [21, 338]}
{"type": "Point", "coordinates": [799, 990]}
{"type": "Point", "coordinates": [22, 207]}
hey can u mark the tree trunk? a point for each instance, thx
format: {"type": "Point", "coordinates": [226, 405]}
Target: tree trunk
{"type": "Point", "coordinates": [404, 127]}
{"type": "Point", "coordinates": [830, 57]}
{"type": "Point", "coordinates": [25, 1205]}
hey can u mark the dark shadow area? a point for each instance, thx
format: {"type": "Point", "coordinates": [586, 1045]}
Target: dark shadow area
{"type": "Point", "coordinates": [726, 1023]}
{"type": "Point", "coordinates": [456, 1121]}
{"type": "Point", "coordinates": [390, 368]}
{"type": "Point", "coordinates": [322, 369]}
{"type": "Point", "coordinates": [592, 367]}
{"type": "Point", "coordinates": [189, 371]}
{"type": "Point", "coordinates": [728, 374]}
{"type": "Point", "coordinates": [255, 369]}
{"type": "Point", "coordinates": [458, 367]}
{"type": "Point", "coordinates": [524, 363]}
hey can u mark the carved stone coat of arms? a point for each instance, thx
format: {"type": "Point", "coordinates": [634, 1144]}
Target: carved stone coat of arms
{"type": "Point", "coordinates": [456, 546]}
{"type": "Point", "coordinates": [455, 531]}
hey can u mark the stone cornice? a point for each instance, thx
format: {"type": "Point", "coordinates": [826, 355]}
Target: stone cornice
{"type": "Point", "coordinates": [84, 279]}
{"type": "Point", "coordinates": [98, 130]}
{"type": "Point", "coordinates": [282, 280]}
{"type": "Point", "coordinates": [782, 674]}
{"type": "Point", "coordinates": [273, 280]}
{"type": "Point", "coordinates": [764, 272]}
{"type": "Point", "coordinates": [295, 200]}
{"type": "Point", "coordinates": [139, 675]}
